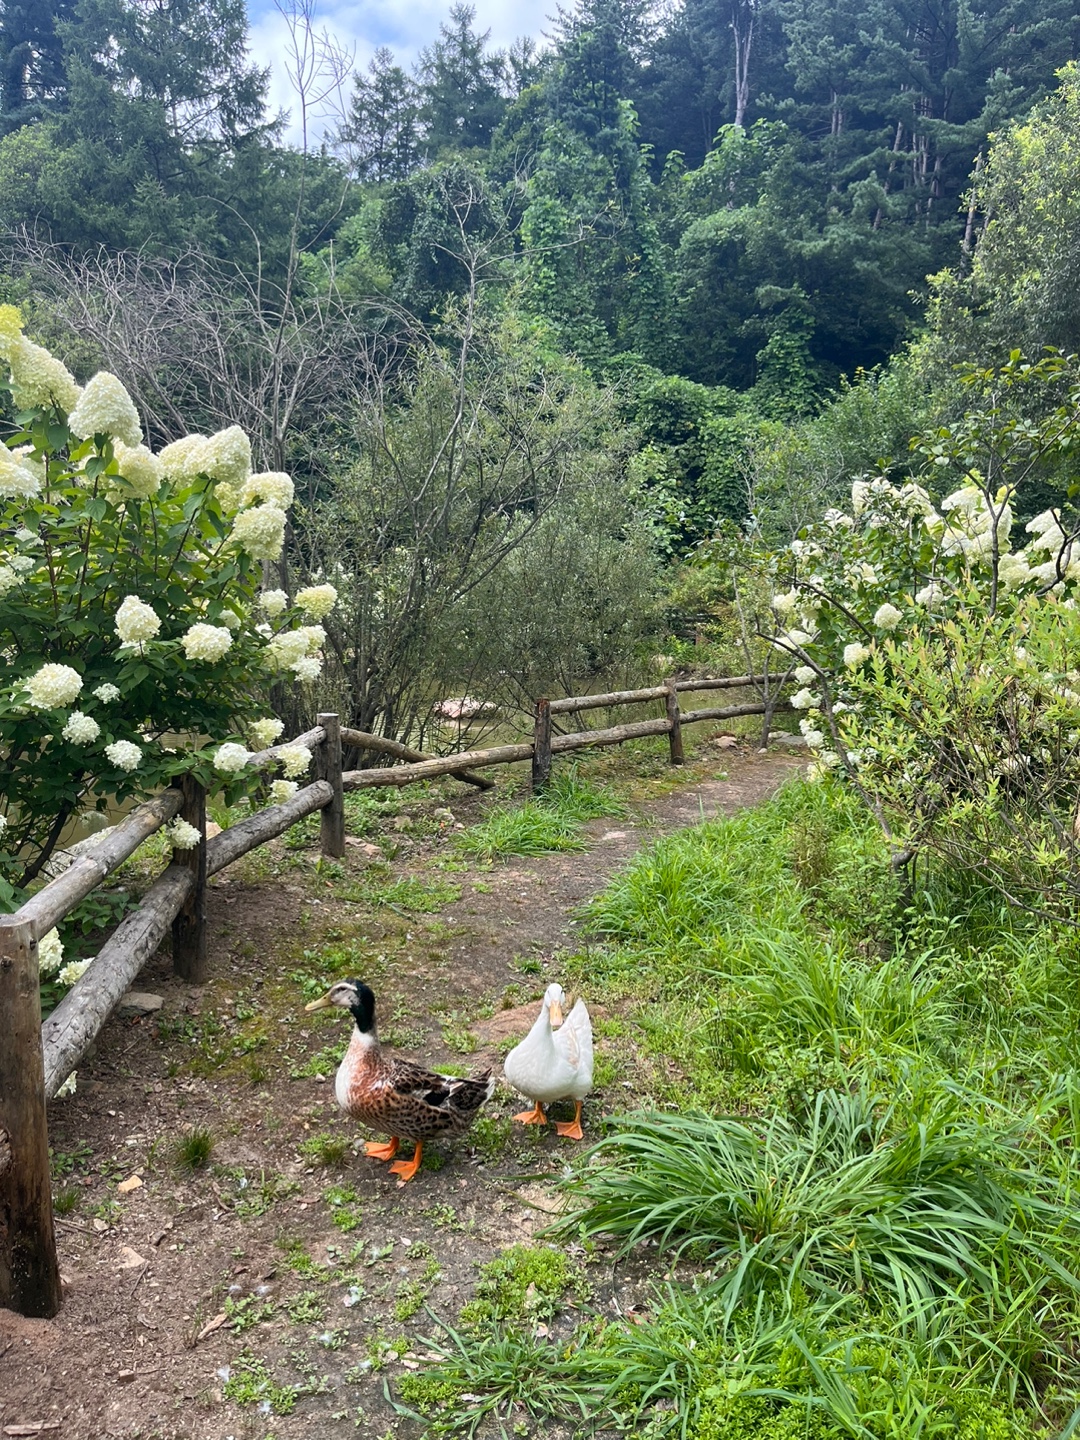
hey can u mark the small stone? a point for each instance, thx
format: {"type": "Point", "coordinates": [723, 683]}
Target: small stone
{"type": "Point", "coordinates": [140, 1002]}
{"type": "Point", "coordinates": [125, 1377]}
{"type": "Point", "coordinates": [130, 1259]}
{"type": "Point", "coordinates": [125, 1187]}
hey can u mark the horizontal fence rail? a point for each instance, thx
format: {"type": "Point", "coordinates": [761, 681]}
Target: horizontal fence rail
{"type": "Point", "coordinates": [36, 1058]}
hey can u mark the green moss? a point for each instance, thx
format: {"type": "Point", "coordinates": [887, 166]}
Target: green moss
{"type": "Point", "coordinates": [523, 1284]}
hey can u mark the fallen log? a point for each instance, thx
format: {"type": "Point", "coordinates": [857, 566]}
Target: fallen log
{"type": "Point", "coordinates": [264, 825]}
{"type": "Point", "coordinates": [730, 712]}
{"type": "Point", "coordinates": [572, 703]}
{"type": "Point", "coordinates": [309, 739]}
{"type": "Point", "coordinates": [446, 765]}
{"type": "Point", "coordinates": [53, 901]}
{"type": "Point", "coordinates": [76, 1022]}
{"type": "Point", "coordinates": [361, 740]}
{"type": "Point", "coordinates": [585, 739]}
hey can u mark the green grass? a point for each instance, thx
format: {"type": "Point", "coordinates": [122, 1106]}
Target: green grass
{"type": "Point", "coordinates": [408, 894]}
{"type": "Point", "coordinates": [549, 823]}
{"type": "Point", "coordinates": [857, 1141]}
{"type": "Point", "coordinates": [193, 1149]}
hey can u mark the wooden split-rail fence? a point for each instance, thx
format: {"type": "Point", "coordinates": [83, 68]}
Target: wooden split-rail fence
{"type": "Point", "coordinates": [36, 1058]}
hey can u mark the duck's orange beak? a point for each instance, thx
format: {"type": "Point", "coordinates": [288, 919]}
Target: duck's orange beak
{"type": "Point", "coordinates": [323, 1003]}
{"type": "Point", "coordinates": [555, 1011]}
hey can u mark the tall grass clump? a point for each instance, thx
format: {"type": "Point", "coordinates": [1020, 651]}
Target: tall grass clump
{"type": "Point", "coordinates": [551, 822]}
{"type": "Point", "coordinates": [928, 1216]}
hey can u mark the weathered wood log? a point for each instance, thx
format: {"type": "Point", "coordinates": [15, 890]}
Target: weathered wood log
{"type": "Point", "coordinates": [328, 768]}
{"type": "Point", "coordinates": [264, 825]}
{"type": "Point", "coordinates": [29, 1272]}
{"type": "Point", "coordinates": [445, 765]}
{"type": "Point", "coordinates": [541, 758]}
{"type": "Point", "coordinates": [190, 960]}
{"type": "Point", "coordinates": [75, 1023]}
{"type": "Point", "coordinates": [262, 759]}
{"type": "Point", "coordinates": [730, 712]}
{"type": "Point", "coordinates": [585, 739]}
{"type": "Point", "coordinates": [573, 703]}
{"type": "Point", "coordinates": [725, 682]}
{"type": "Point", "coordinates": [361, 740]}
{"type": "Point", "coordinates": [671, 706]}
{"type": "Point", "coordinates": [53, 901]}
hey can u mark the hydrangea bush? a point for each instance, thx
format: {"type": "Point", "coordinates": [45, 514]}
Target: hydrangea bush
{"type": "Point", "coordinates": [135, 638]}
{"type": "Point", "coordinates": [935, 638]}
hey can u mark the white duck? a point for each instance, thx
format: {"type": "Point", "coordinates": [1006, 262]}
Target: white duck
{"type": "Point", "coordinates": [554, 1064]}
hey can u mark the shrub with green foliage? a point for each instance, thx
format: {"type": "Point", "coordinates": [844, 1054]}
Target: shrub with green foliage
{"type": "Point", "coordinates": [131, 620]}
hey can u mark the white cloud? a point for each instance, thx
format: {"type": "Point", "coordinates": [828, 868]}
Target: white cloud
{"type": "Point", "coordinates": [404, 26]}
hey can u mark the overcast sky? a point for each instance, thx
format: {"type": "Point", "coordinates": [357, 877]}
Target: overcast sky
{"type": "Point", "coordinates": [404, 26]}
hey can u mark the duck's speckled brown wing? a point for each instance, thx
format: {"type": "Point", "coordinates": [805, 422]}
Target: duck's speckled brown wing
{"type": "Point", "coordinates": [420, 1104]}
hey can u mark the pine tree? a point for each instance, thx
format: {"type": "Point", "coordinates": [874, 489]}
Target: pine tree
{"type": "Point", "coordinates": [462, 87]}
{"type": "Point", "coordinates": [382, 134]}
{"type": "Point", "coordinates": [33, 76]}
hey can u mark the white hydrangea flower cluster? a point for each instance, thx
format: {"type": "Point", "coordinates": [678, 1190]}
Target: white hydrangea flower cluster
{"type": "Point", "coordinates": [53, 686]}
{"type": "Point", "coordinates": [81, 729]}
{"type": "Point", "coordinates": [73, 970]}
{"type": "Point", "coordinates": [261, 531]}
{"type": "Point", "coordinates": [17, 480]}
{"type": "Point", "coordinates": [38, 379]}
{"type": "Point", "coordinates": [206, 642]}
{"type": "Point", "coordinates": [9, 578]}
{"type": "Point", "coordinates": [180, 459]}
{"type": "Point", "coordinates": [274, 602]}
{"type": "Point", "coordinates": [50, 952]}
{"type": "Point", "coordinates": [182, 835]}
{"type": "Point", "coordinates": [317, 600]}
{"type": "Point", "coordinates": [107, 692]}
{"type": "Point", "coordinates": [141, 472]}
{"type": "Point", "coordinates": [265, 732]}
{"type": "Point", "coordinates": [291, 649]}
{"type": "Point", "coordinates": [68, 1087]}
{"type": "Point", "coordinates": [231, 758]}
{"type": "Point", "coordinates": [295, 760]}
{"type": "Point", "coordinates": [282, 790]}
{"type": "Point", "coordinates": [273, 487]}
{"type": "Point", "coordinates": [136, 621]}
{"type": "Point", "coordinates": [106, 408]}
{"type": "Point", "coordinates": [124, 754]}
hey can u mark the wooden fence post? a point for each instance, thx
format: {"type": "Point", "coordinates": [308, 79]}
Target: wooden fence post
{"type": "Point", "coordinates": [29, 1272]}
{"type": "Point", "coordinates": [541, 758]}
{"type": "Point", "coordinates": [328, 767]}
{"type": "Point", "coordinates": [671, 702]}
{"type": "Point", "coordinates": [190, 960]}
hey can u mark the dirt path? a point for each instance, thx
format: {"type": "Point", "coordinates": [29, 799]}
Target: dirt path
{"type": "Point", "coordinates": [268, 1294]}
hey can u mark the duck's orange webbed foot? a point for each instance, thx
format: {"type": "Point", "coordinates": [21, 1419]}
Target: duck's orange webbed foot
{"type": "Point", "coordinates": [382, 1152]}
{"type": "Point", "coordinates": [535, 1116]}
{"type": "Point", "coordinates": [572, 1128]}
{"type": "Point", "coordinates": [406, 1169]}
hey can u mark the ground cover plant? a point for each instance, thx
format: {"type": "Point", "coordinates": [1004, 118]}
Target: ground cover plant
{"type": "Point", "coordinates": [857, 1164]}
{"type": "Point", "coordinates": [550, 822]}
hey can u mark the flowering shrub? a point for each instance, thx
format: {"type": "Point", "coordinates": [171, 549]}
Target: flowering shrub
{"type": "Point", "coordinates": [131, 623]}
{"type": "Point", "coordinates": [938, 643]}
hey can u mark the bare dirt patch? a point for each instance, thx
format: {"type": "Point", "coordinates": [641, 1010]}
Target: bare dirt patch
{"type": "Point", "coordinates": [270, 1293]}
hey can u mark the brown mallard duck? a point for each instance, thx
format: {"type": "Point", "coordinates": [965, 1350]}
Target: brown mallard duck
{"type": "Point", "coordinates": [400, 1099]}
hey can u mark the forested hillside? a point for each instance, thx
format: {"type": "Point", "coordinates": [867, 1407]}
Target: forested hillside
{"type": "Point", "coordinates": [738, 249]}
